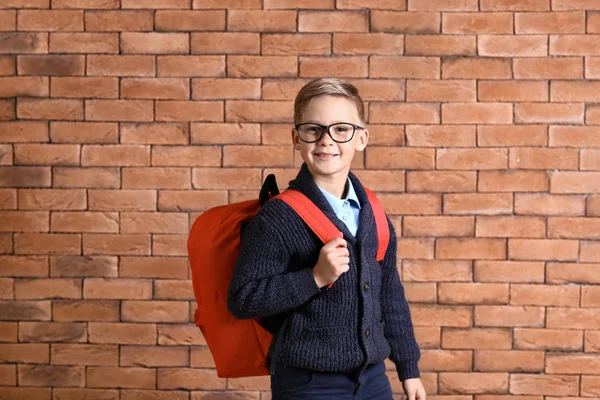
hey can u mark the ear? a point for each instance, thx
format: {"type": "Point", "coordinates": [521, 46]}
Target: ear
{"type": "Point", "coordinates": [295, 139]}
{"type": "Point", "coordinates": [362, 140]}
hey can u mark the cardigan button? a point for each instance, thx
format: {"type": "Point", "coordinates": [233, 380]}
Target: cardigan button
{"type": "Point", "coordinates": [367, 332]}
{"type": "Point", "coordinates": [366, 286]}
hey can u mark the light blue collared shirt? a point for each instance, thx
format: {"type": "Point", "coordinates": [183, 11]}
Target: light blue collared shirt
{"type": "Point", "coordinates": [348, 209]}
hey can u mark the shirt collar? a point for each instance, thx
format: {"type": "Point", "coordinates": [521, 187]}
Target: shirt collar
{"type": "Point", "coordinates": [337, 203]}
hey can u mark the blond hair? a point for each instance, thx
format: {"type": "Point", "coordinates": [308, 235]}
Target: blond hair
{"type": "Point", "coordinates": [327, 87]}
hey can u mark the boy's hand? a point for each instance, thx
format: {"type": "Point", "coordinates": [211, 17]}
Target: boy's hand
{"type": "Point", "coordinates": [414, 389]}
{"type": "Point", "coordinates": [334, 260]}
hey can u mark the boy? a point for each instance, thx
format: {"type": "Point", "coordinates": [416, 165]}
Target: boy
{"type": "Point", "coordinates": [329, 341]}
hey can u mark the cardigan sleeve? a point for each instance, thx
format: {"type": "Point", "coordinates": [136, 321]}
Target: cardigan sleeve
{"type": "Point", "coordinates": [396, 315]}
{"type": "Point", "coordinates": [261, 285]}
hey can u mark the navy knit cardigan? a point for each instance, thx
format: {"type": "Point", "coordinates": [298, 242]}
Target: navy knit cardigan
{"type": "Point", "coordinates": [364, 318]}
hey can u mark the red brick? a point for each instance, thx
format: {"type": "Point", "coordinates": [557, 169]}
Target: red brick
{"type": "Point", "coordinates": [122, 333]}
{"type": "Point", "coordinates": [180, 156]}
{"type": "Point", "coordinates": [84, 87]}
{"type": "Point", "coordinates": [439, 136]}
{"type": "Point", "coordinates": [472, 293]}
{"type": "Point", "coordinates": [438, 226]}
{"type": "Point", "coordinates": [190, 66]}
{"type": "Point", "coordinates": [512, 46]}
{"type": "Point", "coordinates": [262, 66]}
{"type": "Point", "coordinates": [23, 43]}
{"type": "Point", "coordinates": [473, 382]}
{"type": "Point", "coordinates": [103, 4]}
{"type": "Point", "coordinates": [590, 296]}
{"type": "Point", "coordinates": [117, 289]}
{"type": "Point", "coordinates": [296, 44]}
{"type": "Point", "coordinates": [84, 354]}
{"type": "Point", "coordinates": [25, 177]}
{"type": "Point", "coordinates": [548, 339]}
{"type": "Point", "coordinates": [551, 250]}
{"type": "Point", "coordinates": [52, 109]}
{"type": "Point", "coordinates": [76, 266]}
{"type": "Point", "coordinates": [49, 20]}
{"type": "Point", "coordinates": [574, 45]}
{"type": "Point", "coordinates": [6, 243]}
{"type": "Point", "coordinates": [258, 111]}
{"type": "Point", "coordinates": [574, 5]}
{"type": "Point", "coordinates": [555, 22]}
{"type": "Point", "coordinates": [142, 267]}
{"type": "Point", "coordinates": [573, 136]}
{"type": "Point", "coordinates": [24, 221]}
{"type": "Point", "coordinates": [483, 23]}
{"type": "Point", "coordinates": [119, 110]}
{"type": "Point", "coordinates": [113, 377]}
{"type": "Point", "coordinates": [544, 295]}
{"type": "Point", "coordinates": [47, 154]}
{"type": "Point", "coordinates": [107, 244]}
{"type": "Point", "coordinates": [441, 181]}
{"type": "Point", "coordinates": [155, 88]}
{"type": "Point", "coordinates": [84, 42]}
{"type": "Point", "coordinates": [170, 111]}
{"type": "Point", "coordinates": [572, 363]}
{"type": "Point", "coordinates": [25, 310]}
{"type": "Point", "coordinates": [6, 155]}
{"type": "Point", "coordinates": [122, 200]}
{"type": "Point", "coordinates": [575, 182]}
{"type": "Point", "coordinates": [478, 203]}
{"type": "Point", "coordinates": [333, 21]}
{"type": "Point", "coordinates": [8, 65]}
{"type": "Point", "coordinates": [281, 4]}
{"type": "Point", "coordinates": [26, 266]}
{"type": "Point", "coordinates": [226, 134]}
{"type": "Point", "coordinates": [477, 338]}
{"type": "Point", "coordinates": [445, 360]}
{"type": "Point", "coordinates": [400, 158]}
{"type": "Point", "coordinates": [556, 385]}
{"type": "Point", "coordinates": [547, 205]}
{"type": "Point", "coordinates": [548, 68]}
{"type": "Point", "coordinates": [372, 4]}
{"type": "Point", "coordinates": [414, 113]}
{"type": "Point", "coordinates": [169, 245]}
{"type": "Point", "coordinates": [207, 89]}
{"type": "Point", "coordinates": [154, 356]}
{"type": "Point", "coordinates": [453, 316]}
{"type": "Point", "coordinates": [536, 158]}
{"type": "Point", "coordinates": [592, 65]}
{"type": "Point", "coordinates": [405, 67]}
{"type": "Point", "coordinates": [175, 133]}
{"type": "Point", "coordinates": [575, 91]}
{"type": "Point", "coordinates": [466, 249]}
{"type": "Point", "coordinates": [154, 43]}
{"type": "Point", "coordinates": [593, 206]}
{"type": "Point", "coordinates": [8, 331]}
{"type": "Point", "coordinates": [8, 20]}
{"type": "Point", "coordinates": [155, 311]}
{"type": "Point", "coordinates": [173, 289]}
{"type": "Point", "coordinates": [411, 204]}
{"type": "Point", "coordinates": [589, 159]}
{"type": "Point", "coordinates": [428, 337]}
{"type": "Point", "coordinates": [509, 361]}
{"type": "Point", "coordinates": [109, 21]}
{"type": "Point", "coordinates": [8, 199]}
{"type": "Point", "coordinates": [442, 91]}
{"type": "Point", "coordinates": [420, 292]}
{"type": "Point", "coordinates": [176, 335]}
{"type": "Point", "coordinates": [368, 43]}
{"type": "Point", "coordinates": [225, 43]}
{"type": "Point", "coordinates": [515, 5]}
{"type": "Point", "coordinates": [405, 22]}
{"type": "Point", "coordinates": [476, 68]}
{"type": "Point", "coordinates": [580, 228]}
{"type": "Point", "coordinates": [6, 288]}
{"type": "Point", "coordinates": [512, 135]}
{"type": "Point", "coordinates": [18, 132]}
{"type": "Point", "coordinates": [346, 67]}
{"type": "Point", "coordinates": [39, 243]}
{"type": "Point", "coordinates": [138, 222]}
{"type": "Point", "coordinates": [156, 178]}
{"type": "Point", "coordinates": [527, 227]}
{"type": "Point", "coordinates": [381, 181]}
{"type": "Point", "coordinates": [592, 341]}
{"type": "Point", "coordinates": [8, 376]}
{"type": "Point", "coordinates": [190, 379]}
{"type": "Point", "coordinates": [86, 177]}
{"type": "Point", "coordinates": [464, 159]}
{"type": "Point", "coordinates": [55, 288]}
{"type": "Point", "coordinates": [440, 45]}
{"type": "Point", "coordinates": [477, 113]}
{"type": "Point", "coordinates": [513, 181]}
{"type": "Point", "coordinates": [84, 132]}
{"type": "Point", "coordinates": [74, 394]}
{"type": "Point", "coordinates": [15, 86]}
{"type": "Point", "coordinates": [509, 316]}
{"type": "Point", "coordinates": [513, 91]}
{"type": "Point", "coordinates": [85, 311]}
{"type": "Point", "coordinates": [184, 20]}
{"type": "Point", "coordinates": [256, 156]}
{"type": "Point", "coordinates": [156, 4]}
{"type": "Point", "coordinates": [25, 393]}
{"type": "Point", "coordinates": [51, 376]}
{"type": "Point", "coordinates": [106, 65]}
{"type": "Point", "coordinates": [261, 21]}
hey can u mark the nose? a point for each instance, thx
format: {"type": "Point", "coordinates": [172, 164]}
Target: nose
{"type": "Point", "coordinates": [325, 139]}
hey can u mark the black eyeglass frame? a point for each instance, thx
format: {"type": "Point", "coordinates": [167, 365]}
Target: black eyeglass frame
{"type": "Point", "coordinates": [326, 128]}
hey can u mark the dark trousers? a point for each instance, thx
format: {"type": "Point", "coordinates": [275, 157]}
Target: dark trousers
{"type": "Point", "coordinates": [289, 383]}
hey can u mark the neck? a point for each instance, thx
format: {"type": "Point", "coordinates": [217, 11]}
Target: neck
{"type": "Point", "coordinates": [335, 186]}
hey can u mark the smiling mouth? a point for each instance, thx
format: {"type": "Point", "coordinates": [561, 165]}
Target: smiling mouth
{"type": "Point", "coordinates": [325, 156]}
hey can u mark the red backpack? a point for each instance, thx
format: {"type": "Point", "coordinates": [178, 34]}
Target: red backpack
{"type": "Point", "coordinates": [240, 347]}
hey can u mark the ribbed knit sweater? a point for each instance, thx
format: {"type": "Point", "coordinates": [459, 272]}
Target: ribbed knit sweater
{"type": "Point", "coordinates": [363, 319]}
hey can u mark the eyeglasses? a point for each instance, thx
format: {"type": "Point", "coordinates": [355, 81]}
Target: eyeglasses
{"type": "Point", "coordinates": [341, 132]}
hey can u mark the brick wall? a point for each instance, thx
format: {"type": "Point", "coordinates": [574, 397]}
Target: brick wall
{"type": "Point", "coordinates": [121, 121]}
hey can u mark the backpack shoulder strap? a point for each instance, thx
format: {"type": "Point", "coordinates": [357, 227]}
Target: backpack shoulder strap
{"type": "Point", "coordinates": [311, 214]}
{"type": "Point", "coordinates": [383, 230]}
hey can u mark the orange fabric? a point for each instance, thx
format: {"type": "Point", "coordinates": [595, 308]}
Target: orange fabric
{"type": "Point", "coordinates": [240, 347]}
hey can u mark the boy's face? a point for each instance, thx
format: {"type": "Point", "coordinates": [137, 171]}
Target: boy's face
{"type": "Point", "coordinates": [327, 159]}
